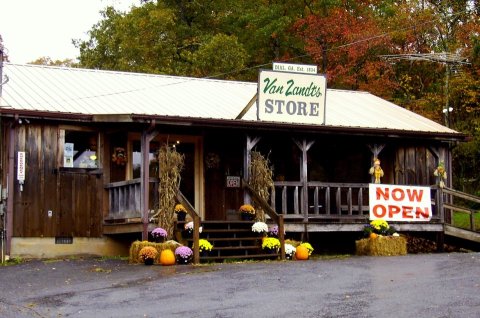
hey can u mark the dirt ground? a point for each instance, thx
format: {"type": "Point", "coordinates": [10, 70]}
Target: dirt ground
{"type": "Point", "coordinates": [422, 285]}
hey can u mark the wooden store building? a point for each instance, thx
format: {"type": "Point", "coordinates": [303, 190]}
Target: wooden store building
{"type": "Point", "coordinates": [79, 165]}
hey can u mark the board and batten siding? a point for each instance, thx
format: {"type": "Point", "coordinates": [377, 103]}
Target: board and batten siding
{"type": "Point", "coordinates": [74, 197]}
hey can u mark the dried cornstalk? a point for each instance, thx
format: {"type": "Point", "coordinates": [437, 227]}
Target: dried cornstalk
{"type": "Point", "coordinates": [261, 180]}
{"type": "Point", "coordinates": [170, 166]}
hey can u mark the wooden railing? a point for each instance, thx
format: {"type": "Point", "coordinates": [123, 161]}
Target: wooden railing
{"type": "Point", "coordinates": [325, 200]}
{"type": "Point", "coordinates": [124, 198]}
{"type": "Point", "coordinates": [274, 216]}
{"type": "Point", "coordinates": [196, 225]}
{"type": "Point", "coordinates": [456, 201]}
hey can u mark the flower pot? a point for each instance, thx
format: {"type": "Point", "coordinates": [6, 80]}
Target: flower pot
{"type": "Point", "coordinates": [247, 216]}
{"type": "Point", "coordinates": [159, 239]}
{"type": "Point", "coordinates": [181, 216]}
{"type": "Point", "coordinates": [270, 250]}
{"type": "Point", "coordinates": [204, 253]}
{"type": "Point", "coordinates": [148, 261]}
{"type": "Point", "coordinates": [183, 261]}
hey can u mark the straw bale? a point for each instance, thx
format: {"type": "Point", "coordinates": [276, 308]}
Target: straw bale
{"type": "Point", "coordinates": [138, 245]}
{"type": "Point", "coordinates": [382, 246]}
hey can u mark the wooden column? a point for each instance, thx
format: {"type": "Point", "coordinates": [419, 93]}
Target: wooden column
{"type": "Point", "coordinates": [147, 136]}
{"type": "Point", "coordinates": [251, 142]}
{"type": "Point", "coordinates": [304, 147]}
{"type": "Point", "coordinates": [10, 188]}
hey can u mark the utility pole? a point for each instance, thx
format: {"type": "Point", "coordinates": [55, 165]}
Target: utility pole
{"type": "Point", "coordinates": [451, 61]}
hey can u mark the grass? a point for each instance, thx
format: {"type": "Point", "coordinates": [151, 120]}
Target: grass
{"type": "Point", "coordinates": [462, 220]}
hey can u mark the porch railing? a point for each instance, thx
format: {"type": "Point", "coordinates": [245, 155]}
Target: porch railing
{"type": "Point", "coordinates": [326, 200]}
{"type": "Point", "coordinates": [277, 218]}
{"type": "Point", "coordinates": [456, 202]}
{"type": "Point", "coordinates": [124, 198]}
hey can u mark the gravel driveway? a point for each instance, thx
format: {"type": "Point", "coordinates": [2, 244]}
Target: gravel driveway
{"type": "Point", "coordinates": [426, 285]}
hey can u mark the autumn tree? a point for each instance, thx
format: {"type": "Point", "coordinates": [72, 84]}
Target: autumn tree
{"type": "Point", "coordinates": [348, 49]}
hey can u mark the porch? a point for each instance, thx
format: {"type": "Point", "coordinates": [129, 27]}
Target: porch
{"type": "Point", "coordinates": [298, 209]}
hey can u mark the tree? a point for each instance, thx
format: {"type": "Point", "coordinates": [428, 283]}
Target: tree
{"type": "Point", "coordinates": [46, 60]}
{"type": "Point", "coordinates": [348, 49]}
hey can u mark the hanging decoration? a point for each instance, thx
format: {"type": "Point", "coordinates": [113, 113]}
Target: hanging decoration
{"type": "Point", "coordinates": [119, 156]}
{"type": "Point", "coordinates": [376, 171]}
{"type": "Point", "coordinates": [441, 174]}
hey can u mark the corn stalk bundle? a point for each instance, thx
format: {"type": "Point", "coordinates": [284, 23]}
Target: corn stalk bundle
{"type": "Point", "coordinates": [170, 166]}
{"type": "Point", "coordinates": [261, 180]}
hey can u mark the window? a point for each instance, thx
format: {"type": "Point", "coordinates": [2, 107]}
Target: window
{"type": "Point", "coordinates": [80, 149]}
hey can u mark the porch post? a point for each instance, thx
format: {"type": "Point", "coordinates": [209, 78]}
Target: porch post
{"type": "Point", "coordinates": [144, 183]}
{"type": "Point", "coordinates": [304, 147]}
{"type": "Point", "coordinates": [251, 142]}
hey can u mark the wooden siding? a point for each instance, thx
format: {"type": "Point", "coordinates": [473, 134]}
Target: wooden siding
{"type": "Point", "coordinates": [73, 195]}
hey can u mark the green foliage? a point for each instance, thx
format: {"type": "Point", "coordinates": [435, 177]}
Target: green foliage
{"type": "Point", "coordinates": [462, 220]}
{"type": "Point", "coordinates": [231, 39]}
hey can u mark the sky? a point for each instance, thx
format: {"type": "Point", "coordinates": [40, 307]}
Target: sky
{"type": "Point", "coordinates": [31, 29]}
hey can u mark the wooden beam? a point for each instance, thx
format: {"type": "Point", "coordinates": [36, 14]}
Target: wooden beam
{"type": "Point", "coordinates": [247, 108]}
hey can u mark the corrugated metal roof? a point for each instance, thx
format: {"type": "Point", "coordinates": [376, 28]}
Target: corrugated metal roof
{"type": "Point", "coordinates": [95, 92]}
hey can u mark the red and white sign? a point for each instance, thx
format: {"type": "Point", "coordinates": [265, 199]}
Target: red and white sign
{"type": "Point", "coordinates": [400, 203]}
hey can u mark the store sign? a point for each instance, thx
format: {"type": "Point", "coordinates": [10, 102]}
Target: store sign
{"type": "Point", "coordinates": [295, 68]}
{"type": "Point", "coordinates": [291, 97]}
{"type": "Point", "coordinates": [400, 203]}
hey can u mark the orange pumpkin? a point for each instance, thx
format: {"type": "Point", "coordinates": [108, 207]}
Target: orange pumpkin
{"type": "Point", "coordinates": [373, 235]}
{"type": "Point", "coordinates": [301, 253]}
{"type": "Point", "coordinates": [167, 257]}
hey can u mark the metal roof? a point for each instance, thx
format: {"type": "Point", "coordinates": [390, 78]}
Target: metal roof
{"type": "Point", "coordinates": [96, 92]}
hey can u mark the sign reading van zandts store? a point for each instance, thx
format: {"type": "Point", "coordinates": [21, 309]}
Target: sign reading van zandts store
{"type": "Point", "coordinates": [400, 203]}
{"type": "Point", "coordinates": [291, 97]}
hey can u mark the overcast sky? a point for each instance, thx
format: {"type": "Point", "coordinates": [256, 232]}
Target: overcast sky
{"type": "Point", "coordinates": [36, 28]}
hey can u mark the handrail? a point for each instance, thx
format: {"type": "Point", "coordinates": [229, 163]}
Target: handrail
{"type": "Point", "coordinates": [196, 224]}
{"type": "Point", "coordinates": [448, 204]}
{"type": "Point", "coordinates": [277, 218]}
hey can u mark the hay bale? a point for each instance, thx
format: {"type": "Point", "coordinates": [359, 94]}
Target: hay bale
{"type": "Point", "coordinates": [138, 245]}
{"type": "Point", "coordinates": [382, 246]}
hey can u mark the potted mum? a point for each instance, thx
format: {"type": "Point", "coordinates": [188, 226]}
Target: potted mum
{"type": "Point", "coordinates": [204, 246]}
{"type": "Point", "coordinates": [148, 254]}
{"type": "Point", "coordinates": [247, 212]}
{"type": "Point", "coordinates": [289, 251]}
{"type": "Point", "coordinates": [260, 228]}
{"type": "Point", "coordinates": [181, 212]}
{"type": "Point", "coordinates": [159, 235]}
{"type": "Point", "coordinates": [270, 245]}
{"type": "Point", "coordinates": [378, 227]}
{"type": "Point", "coordinates": [183, 254]}
{"type": "Point", "coordinates": [189, 228]}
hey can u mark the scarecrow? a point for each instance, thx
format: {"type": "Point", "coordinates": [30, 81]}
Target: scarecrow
{"type": "Point", "coordinates": [441, 174]}
{"type": "Point", "coordinates": [376, 171]}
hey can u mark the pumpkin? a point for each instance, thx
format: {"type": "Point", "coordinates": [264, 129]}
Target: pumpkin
{"type": "Point", "coordinates": [373, 235]}
{"type": "Point", "coordinates": [167, 257]}
{"type": "Point", "coordinates": [301, 253]}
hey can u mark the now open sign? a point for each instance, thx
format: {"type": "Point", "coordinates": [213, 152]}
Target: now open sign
{"type": "Point", "coordinates": [400, 203]}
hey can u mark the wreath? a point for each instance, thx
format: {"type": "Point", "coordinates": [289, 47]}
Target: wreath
{"type": "Point", "coordinates": [119, 156]}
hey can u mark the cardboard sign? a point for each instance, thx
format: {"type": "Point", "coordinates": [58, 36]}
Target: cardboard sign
{"type": "Point", "coordinates": [233, 182]}
{"type": "Point", "coordinates": [400, 203]}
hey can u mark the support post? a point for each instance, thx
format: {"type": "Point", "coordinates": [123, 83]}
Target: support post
{"type": "Point", "coordinates": [144, 184]}
{"type": "Point", "coordinates": [304, 146]}
{"type": "Point", "coordinates": [251, 142]}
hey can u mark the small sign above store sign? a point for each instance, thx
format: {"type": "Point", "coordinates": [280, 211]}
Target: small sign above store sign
{"type": "Point", "coordinates": [295, 68]}
{"type": "Point", "coordinates": [291, 97]}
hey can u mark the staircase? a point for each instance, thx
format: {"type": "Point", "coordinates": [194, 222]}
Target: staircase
{"type": "Point", "coordinates": [231, 240]}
